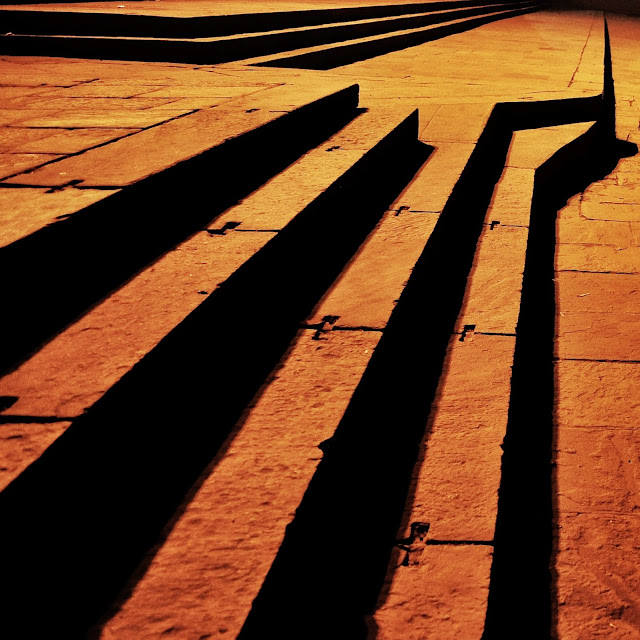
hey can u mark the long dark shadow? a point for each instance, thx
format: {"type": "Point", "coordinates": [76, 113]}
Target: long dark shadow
{"type": "Point", "coordinates": [341, 55]}
{"type": "Point", "coordinates": [239, 47]}
{"type": "Point", "coordinates": [53, 276]}
{"type": "Point", "coordinates": [148, 26]}
{"type": "Point", "coordinates": [330, 569]}
{"type": "Point", "coordinates": [77, 523]}
{"type": "Point", "coordinates": [522, 579]}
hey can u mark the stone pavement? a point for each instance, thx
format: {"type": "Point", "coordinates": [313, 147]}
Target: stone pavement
{"type": "Point", "coordinates": [284, 356]}
{"type": "Point", "coordinates": [597, 403]}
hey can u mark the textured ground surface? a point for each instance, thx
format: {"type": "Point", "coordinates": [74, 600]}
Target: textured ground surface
{"type": "Point", "coordinates": [372, 386]}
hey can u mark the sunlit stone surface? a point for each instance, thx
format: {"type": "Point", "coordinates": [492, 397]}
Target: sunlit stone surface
{"type": "Point", "coordinates": [320, 320]}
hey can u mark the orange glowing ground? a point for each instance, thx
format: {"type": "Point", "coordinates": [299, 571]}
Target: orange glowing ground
{"type": "Point", "coordinates": [320, 320]}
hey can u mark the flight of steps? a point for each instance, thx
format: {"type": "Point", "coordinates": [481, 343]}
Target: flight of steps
{"type": "Point", "coordinates": [215, 401]}
{"type": "Point", "coordinates": [361, 32]}
{"type": "Point", "coordinates": [248, 396]}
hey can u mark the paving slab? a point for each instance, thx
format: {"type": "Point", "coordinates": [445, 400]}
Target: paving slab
{"type": "Point", "coordinates": [511, 201]}
{"type": "Point", "coordinates": [598, 578]}
{"type": "Point", "coordinates": [431, 188]}
{"type": "Point", "coordinates": [14, 163]}
{"type": "Point", "coordinates": [456, 480]}
{"type": "Point", "coordinates": [492, 298]}
{"type": "Point", "coordinates": [215, 90]}
{"type": "Point", "coordinates": [105, 89]}
{"type": "Point", "coordinates": [598, 336]}
{"type": "Point", "coordinates": [204, 578]}
{"type": "Point", "coordinates": [13, 139]}
{"type": "Point", "coordinates": [597, 393]}
{"type": "Point", "coordinates": [620, 187]}
{"type": "Point", "coordinates": [572, 229]}
{"type": "Point", "coordinates": [442, 593]}
{"type": "Point", "coordinates": [15, 116]}
{"type": "Point", "coordinates": [284, 195]}
{"type": "Point", "coordinates": [457, 123]}
{"type": "Point", "coordinates": [24, 211]}
{"type": "Point", "coordinates": [593, 209]}
{"type": "Point", "coordinates": [598, 470]}
{"type": "Point", "coordinates": [96, 118]}
{"type": "Point", "coordinates": [578, 292]}
{"type": "Point", "coordinates": [23, 442]}
{"type": "Point", "coordinates": [64, 103]}
{"type": "Point", "coordinates": [529, 149]}
{"type": "Point", "coordinates": [368, 289]}
{"type": "Point", "coordinates": [278, 201]}
{"type": "Point", "coordinates": [597, 258]}
{"type": "Point", "coordinates": [60, 141]}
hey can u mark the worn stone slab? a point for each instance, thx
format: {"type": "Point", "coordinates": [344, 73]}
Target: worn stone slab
{"type": "Point", "coordinates": [13, 163]}
{"type": "Point", "coordinates": [277, 202]}
{"type": "Point", "coordinates": [598, 470]}
{"type": "Point", "coordinates": [598, 577]}
{"type": "Point", "coordinates": [204, 578]}
{"type": "Point", "coordinates": [66, 104]}
{"type": "Point", "coordinates": [15, 116]}
{"type": "Point", "coordinates": [529, 149]}
{"type": "Point", "coordinates": [458, 123]}
{"type": "Point", "coordinates": [578, 292]}
{"type": "Point", "coordinates": [63, 141]}
{"type": "Point", "coordinates": [176, 140]}
{"type": "Point", "coordinates": [598, 336]}
{"type": "Point", "coordinates": [22, 443]}
{"type": "Point", "coordinates": [617, 211]}
{"type": "Point", "coordinates": [14, 139]}
{"type": "Point", "coordinates": [430, 188]}
{"type": "Point", "coordinates": [597, 258]}
{"type": "Point", "coordinates": [618, 188]}
{"type": "Point", "coordinates": [106, 89]}
{"type": "Point", "coordinates": [456, 480]}
{"type": "Point", "coordinates": [24, 211]}
{"type": "Point", "coordinates": [441, 594]}
{"type": "Point", "coordinates": [182, 105]}
{"type": "Point", "coordinates": [597, 393]}
{"type": "Point", "coordinates": [511, 200]}
{"type": "Point", "coordinates": [74, 370]}
{"type": "Point", "coordinates": [10, 92]}
{"type": "Point", "coordinates": [572, 229]}
{"type": "Point", "coordinates": [368, 129]}
{"type": "Point", "coordinates": [370, 286]}
{"type": "Point", "coordinates": [97, 118]}
{"type": "Point", "coordinates": [492, 298]}
{"type": "Point", "coordinates": [215, 90]}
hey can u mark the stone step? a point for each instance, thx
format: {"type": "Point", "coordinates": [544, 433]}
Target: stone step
{"type": "Point", "coordinates": [596, 372]}
{"type": "Point", "coordinates": [361, 477]}
{"type": "Point", "coordinates": [329, 57]}
{"type": "Point", "coordinates": [234, 47]}
{"type": "Point", "coordinates": [45, 21]}
{"type": "Point", "coordinates": [271, 459]}
{"type": "Point", "coordinates": [449, 529]}
{"type": "Point", "coordinates": [231, 339]}
{"type": "Point", "coordinates": [174, 179]}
